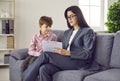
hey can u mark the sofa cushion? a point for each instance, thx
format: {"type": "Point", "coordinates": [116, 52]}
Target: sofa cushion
{"type": "Point", "coordinates": [115, 57]}
{"type": "Point", "coordinates": [71, 75]}
{"type": "Point", "coordinates": [108, 75]}
{"type": "Point", "coordinates": [103, 48]}
{"type": "Point", "coordinates": [19, 54]}
{"type": "Point", "coordinates": [59, 34]}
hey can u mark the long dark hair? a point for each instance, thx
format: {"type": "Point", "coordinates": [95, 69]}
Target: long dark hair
{"type": "Point", "coordinates": [77, 11]}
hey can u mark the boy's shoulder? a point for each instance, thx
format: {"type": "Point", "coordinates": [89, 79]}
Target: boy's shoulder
{"type": "Point", "coordinates": [36, 35]}
{"type": "Point", "coordinates": [48, 35]}
{"type": "Point", "coordinates": [53, 34]}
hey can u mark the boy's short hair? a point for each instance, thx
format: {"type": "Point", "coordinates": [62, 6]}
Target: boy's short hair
{"type": "Point", "coordinates": [45, 20]}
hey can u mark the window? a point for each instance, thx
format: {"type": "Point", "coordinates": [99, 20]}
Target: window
{"type": "Point", "coordinates": [94, 12]}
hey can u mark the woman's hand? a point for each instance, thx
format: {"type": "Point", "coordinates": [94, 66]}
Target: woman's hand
{"type": "Point", "coordinates": [62, 51]}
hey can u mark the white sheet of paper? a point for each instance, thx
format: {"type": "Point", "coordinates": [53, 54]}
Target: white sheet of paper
{"type": "Point", "coordinates": [50, 45]}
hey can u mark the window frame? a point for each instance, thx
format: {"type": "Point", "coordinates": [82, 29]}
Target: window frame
{"type": "Point", "coordinates": [103, 14]}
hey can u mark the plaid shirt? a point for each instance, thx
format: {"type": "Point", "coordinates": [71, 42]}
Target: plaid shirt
{"type": "Point", "coordinates": [35, 47]}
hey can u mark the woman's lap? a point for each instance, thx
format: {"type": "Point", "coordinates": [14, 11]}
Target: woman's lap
{"type": "Point", "coordinates": [61, 62]}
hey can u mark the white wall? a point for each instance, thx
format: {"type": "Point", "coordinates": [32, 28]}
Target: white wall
{"type": "Point", "coordinates": [28, 13]}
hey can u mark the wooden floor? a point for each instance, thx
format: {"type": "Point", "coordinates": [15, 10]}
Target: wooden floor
{"type": "Point", "coordinates": [4, 73]}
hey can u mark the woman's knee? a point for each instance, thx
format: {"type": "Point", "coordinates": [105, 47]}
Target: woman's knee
{"type": "Point", "coordinates": [46, 55]}
{"type": "Point", "coordinates": [48, 68]}
{"type": "Point", "coordinates": [45, 68]}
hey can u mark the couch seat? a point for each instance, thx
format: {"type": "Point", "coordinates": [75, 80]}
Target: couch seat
{"type": "Point", "coordinates": [107, 75]}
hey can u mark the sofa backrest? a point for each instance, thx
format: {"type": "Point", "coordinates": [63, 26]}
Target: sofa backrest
{"type": "Point", "coordinates": [103, 49]}
{"type": "Point", "coordinates": [59, 34]}
{"type": "Point", "coordinates": [115, 56]}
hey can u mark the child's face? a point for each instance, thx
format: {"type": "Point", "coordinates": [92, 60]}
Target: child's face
{"type": "Point", "coordinates": [44, 29]}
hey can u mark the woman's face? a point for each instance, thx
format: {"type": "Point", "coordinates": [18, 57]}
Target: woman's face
{"type": "Point", "coordinates": [72, 18]}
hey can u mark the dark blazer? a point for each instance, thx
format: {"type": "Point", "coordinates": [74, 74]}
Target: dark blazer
{"type": "Point", "coordinates": [82, 45]}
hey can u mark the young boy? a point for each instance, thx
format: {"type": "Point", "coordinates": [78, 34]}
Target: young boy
{"type": "Point", "coordinates": [35, 48]}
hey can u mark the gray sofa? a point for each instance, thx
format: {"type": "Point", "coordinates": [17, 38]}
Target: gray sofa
{"type": "Point", "coordinates": [106, 55]}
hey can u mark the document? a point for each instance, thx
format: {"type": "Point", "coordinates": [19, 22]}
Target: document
{"type": "Point", "coordinates": [50, 45]}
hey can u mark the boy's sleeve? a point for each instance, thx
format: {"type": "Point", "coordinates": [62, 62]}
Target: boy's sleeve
{"type": "Point", "coordinates": [55, 38]}
{"type": "Point", "coordinates": [32, 48]}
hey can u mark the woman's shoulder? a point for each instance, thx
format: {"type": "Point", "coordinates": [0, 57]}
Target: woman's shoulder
{"type": "Point", "coordinates": [68, 30]}
{"type": "Point", "coordinates": [87, 29]}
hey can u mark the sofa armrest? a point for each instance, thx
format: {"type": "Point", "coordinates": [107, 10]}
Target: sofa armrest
{"type": "Point", "coordinates": [19, 54]}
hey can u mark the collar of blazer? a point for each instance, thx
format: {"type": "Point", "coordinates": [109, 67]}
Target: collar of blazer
{"type": "Point", "coordinates": [70, 33]}
{"type": "Point", "coordinates": [76, 35]}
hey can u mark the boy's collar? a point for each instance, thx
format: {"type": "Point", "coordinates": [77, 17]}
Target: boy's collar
{"type": "Point", "coordinates": [40, 35]}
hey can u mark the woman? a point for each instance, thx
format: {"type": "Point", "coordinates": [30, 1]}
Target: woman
{"type": "Point", "coordinates": [78, 46]}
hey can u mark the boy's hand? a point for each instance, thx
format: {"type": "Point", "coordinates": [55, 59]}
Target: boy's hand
{"type": "Point", "coordinates": [62, 51]}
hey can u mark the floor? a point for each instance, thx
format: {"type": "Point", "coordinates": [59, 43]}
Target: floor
{"type": "Point", "coordinates": [4, 73]}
